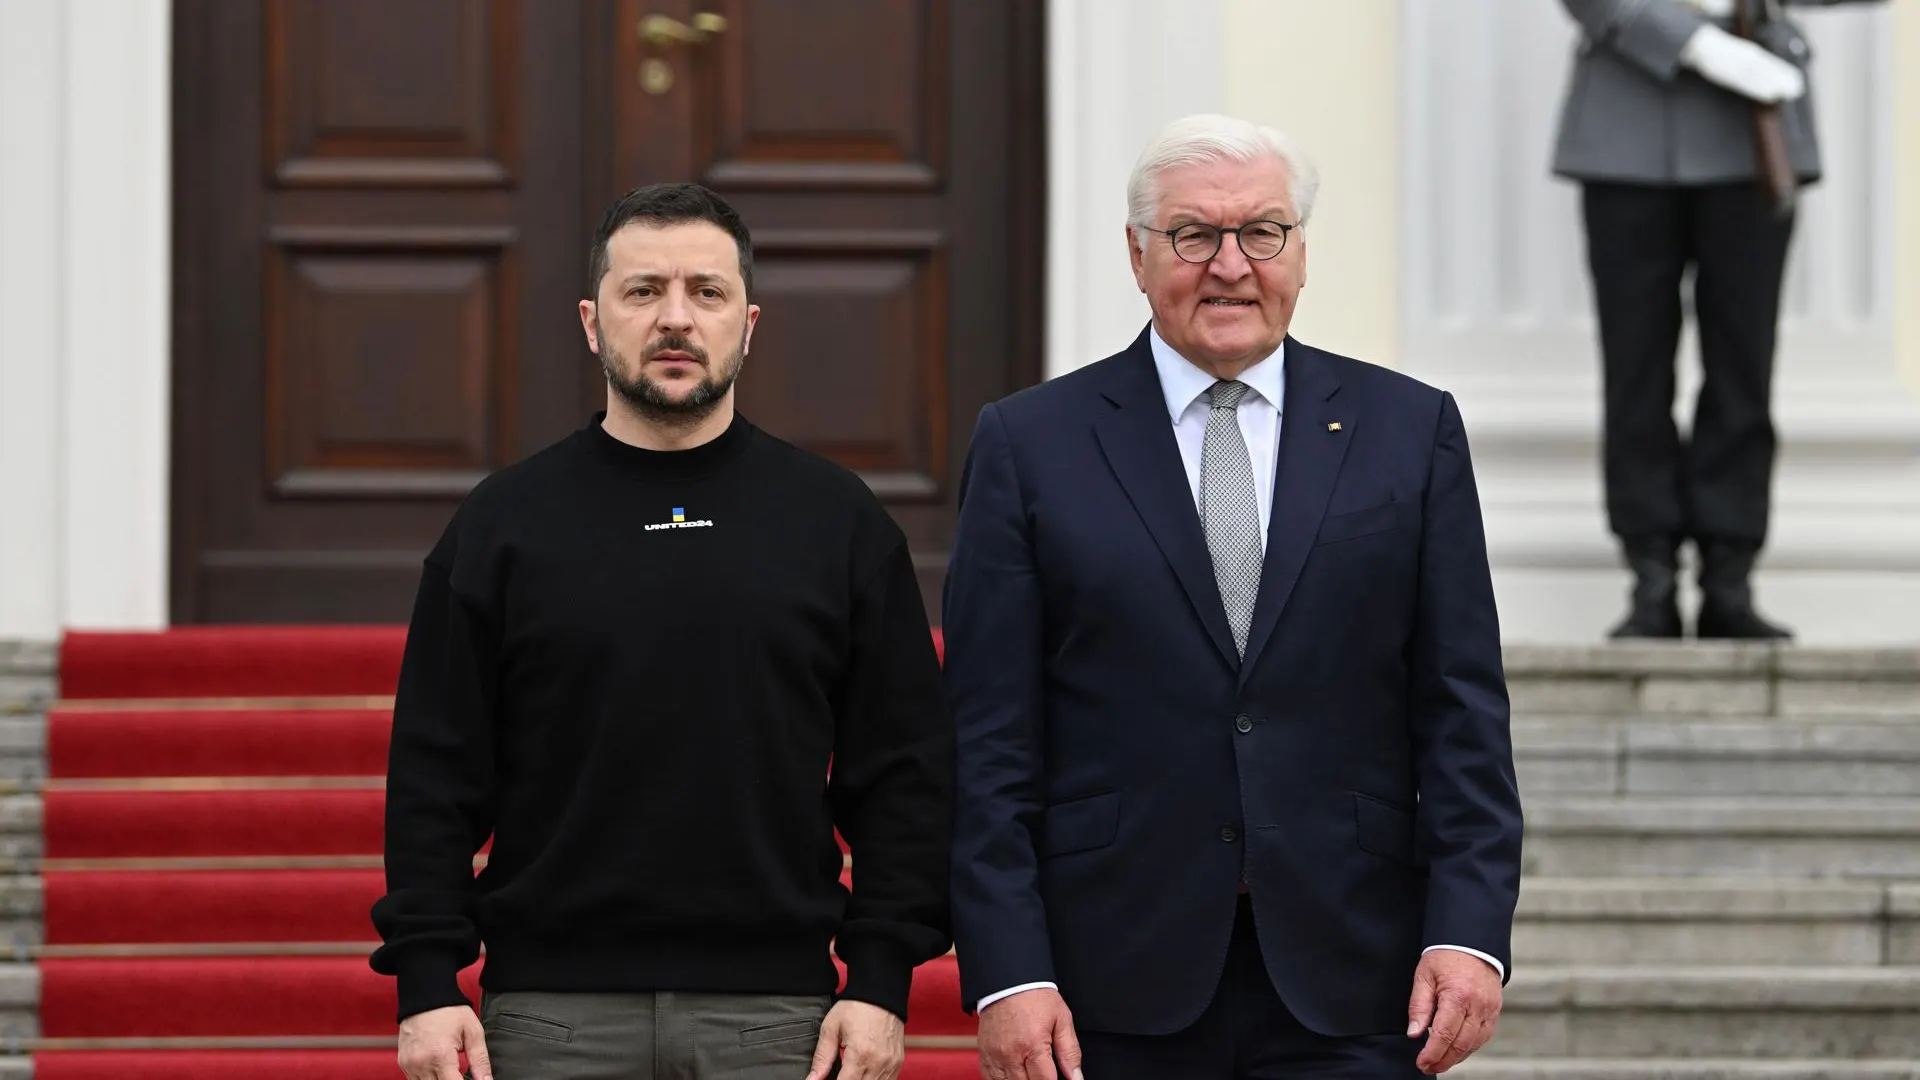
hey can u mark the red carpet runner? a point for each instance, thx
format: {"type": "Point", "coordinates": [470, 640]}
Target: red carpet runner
{"type": "Point", "coordinates": [213, 825]}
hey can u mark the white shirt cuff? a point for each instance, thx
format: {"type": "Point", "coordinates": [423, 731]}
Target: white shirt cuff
{"type": "Point", "coordinates": [1012, 990]}
{"type": "Point", "coordinates": [1497, 965]}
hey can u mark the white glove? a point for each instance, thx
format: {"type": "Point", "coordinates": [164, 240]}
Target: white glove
{"type": "Point", "coordinates": [1712, 9]}
{"type": "Point", "coordinates": [1741, 66]}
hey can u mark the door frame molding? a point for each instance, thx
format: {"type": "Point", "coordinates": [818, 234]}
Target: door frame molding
{"type": "Point", "coordinates": [186, 482]}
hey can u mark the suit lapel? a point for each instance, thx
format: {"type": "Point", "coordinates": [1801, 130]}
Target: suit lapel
{"type": "Point", "coordinates": [1310, 453]}
{"type": "Point", "coordinates": [1137, 439]}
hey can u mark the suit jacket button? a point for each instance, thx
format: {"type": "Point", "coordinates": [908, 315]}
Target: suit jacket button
{"type": "Point", "coordinates": [1227, 834]}
{"type": "Point", "coordinates": [1243, 723]}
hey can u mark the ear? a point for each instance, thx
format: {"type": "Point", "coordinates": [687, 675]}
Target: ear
{"type": "Point", "coordinates": [587, 310]}
{"type": "Point", "coordinates": [753, 318]}
{"type": "Point", "coordinates": [1136, 259]}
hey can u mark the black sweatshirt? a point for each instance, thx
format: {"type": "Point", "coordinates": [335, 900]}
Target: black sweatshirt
{"type": "Point", "coordinates": [633, 669]}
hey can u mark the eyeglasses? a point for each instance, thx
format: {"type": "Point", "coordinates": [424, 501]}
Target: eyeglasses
{"type": "Point", "coordinates": [1198, 243]}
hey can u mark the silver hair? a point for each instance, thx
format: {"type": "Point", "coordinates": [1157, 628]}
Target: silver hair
{"type": "Point", "coordinates": [1209, 137]}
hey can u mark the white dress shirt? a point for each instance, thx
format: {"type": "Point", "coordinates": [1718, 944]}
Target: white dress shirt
{"type": "Point", "coordinates": [1259, 412]}
{"type": "Point", "coordinates": [1186, 386]}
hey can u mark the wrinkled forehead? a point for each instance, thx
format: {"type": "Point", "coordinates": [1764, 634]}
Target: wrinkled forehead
{"type": "Point", "coordinates": [679, 250]}
{"type": "Point", "coordinates": [1226, 192]}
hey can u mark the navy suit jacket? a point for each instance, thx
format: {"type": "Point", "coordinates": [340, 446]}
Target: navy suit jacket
{"type": "Point", "coordinates": [1117, 760]}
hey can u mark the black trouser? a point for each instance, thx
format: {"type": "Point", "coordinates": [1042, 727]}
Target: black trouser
{"type": "Point", "coordinates": [1248, 1033]}
{"type": "Point", "coordinates": [1640, 241]}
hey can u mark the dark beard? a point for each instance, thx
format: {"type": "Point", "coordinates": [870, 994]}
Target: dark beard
{"type": "Point", "coordinates": [651, 399]}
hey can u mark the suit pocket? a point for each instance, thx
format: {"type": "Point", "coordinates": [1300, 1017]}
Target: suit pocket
{"type": "Point", "coordinates": [1080, 825]}
{"type": "Point", "coordinates": [781, 1032]}
{"type": "Point", "coordinates": [1383, 829]}
{"type": "Point", "coordinates": [1374, 519]}
{"type": "Point", "coordinates": [533, 1027]}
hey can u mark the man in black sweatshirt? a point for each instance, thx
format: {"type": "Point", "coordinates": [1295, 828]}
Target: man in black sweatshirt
{"type": "Point", "coordinates": [659, 663]}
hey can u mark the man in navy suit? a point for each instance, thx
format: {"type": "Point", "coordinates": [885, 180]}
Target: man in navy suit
{"type": "Point", "coordinates": [1236, 782]}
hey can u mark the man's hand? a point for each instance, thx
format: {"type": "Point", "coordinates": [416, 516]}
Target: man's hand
{"type": "Point", "coordinates": [870, 1042]}
{"type": "Point", "coordinates": [431, 1042]}
{"type": "Point", "coordinates": [1460, 994]}
{"type": "Point", "coordinates": [1021, 1036]}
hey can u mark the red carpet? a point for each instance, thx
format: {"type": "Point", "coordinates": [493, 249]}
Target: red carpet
{"type": "Point", "coordinates": [229, 742]}
{"type": "Point", "coordinates": [213, 831]}
{"type": "Point", "coordinates": [233, 661]}
{"type": "Point", "coordinates": [106, 824]}
{"type": "Point", "coordinates": [209, 906]}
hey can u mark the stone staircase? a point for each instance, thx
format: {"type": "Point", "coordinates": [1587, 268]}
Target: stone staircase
{"type": "Point", "coordinates": [27, 685]}
{"type": "Point", "coordinates": [1723, 863]}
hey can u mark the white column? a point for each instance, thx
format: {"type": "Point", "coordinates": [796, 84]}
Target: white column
{"type": "Point", "coordinates": [85, 209]}
{"type": "Point", "coordinates": [1904, 41]}
{"type": "Point", "coordinates": [32, 130]}
{"type": "Point", "coordinates": [1498, 310]}
{"type": "Point", "coordinates": [1327, 74]}
{"type": "Point", "coordinates": [1117, 71]}
{"type": "Point", "coordinates": [119, 212]}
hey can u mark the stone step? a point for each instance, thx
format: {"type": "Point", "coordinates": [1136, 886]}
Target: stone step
{"type": "Point", "coordinates": [1656, 921]}
{"type": "Point", "coordinates": [1581, 836]}
{"type": "Point", "coordinates": [1694, 678]}
{"type": "Point", "coordinates": [22, 910]}
{"type": "Point", "coordinates": [26, 676]}
{"type": "Point", "coordinates": [19, 1002]}
{"type": "Point", "coordinates": [1490, 1066]}
{"type": "Point", "coordinates": [23, 746]}
{"type": "Point", "coordinates": [1666, 836]}
{"type": "Point", "coordinates": [1583, 1012]}
{"type": "Point", "coordinates": [20, 820]}
{"type": "Point", "coordinates": [1771, 757]}
{"type": "Point", "coordinates": [1660, 921]}
{"type": "Point", "coordinates": [1667, 921]}
{"type": "Point", "coordinates": [22, 896]}
{"type": "Point", "coordinates": [1712, 1012]}
{"type": "Point", "coordinates": [1524, 660]}
{"type": "Point", "coordinates": [1574, 718]}
{"type": "Point", "coordinates": [1616, 678]}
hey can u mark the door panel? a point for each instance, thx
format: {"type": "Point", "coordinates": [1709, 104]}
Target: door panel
{"type": "Point", "coordinates": [375, 93]}
{"type": "Point", "coordinates": [853, 363]}
{"type": "Point", "coordinates": [377, 223]}
{"type": "Point", "coordinates": [853, 97]}
{"type": "Point", "coordinates": [899, 293]}
{"type": "Point", "coordinates": [382, 212]}
{"type": "Point", "coordinates": [343, 417]}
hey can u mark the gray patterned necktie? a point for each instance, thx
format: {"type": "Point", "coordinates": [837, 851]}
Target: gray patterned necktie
{"type": "Point", "coordinates": [1229, 509]}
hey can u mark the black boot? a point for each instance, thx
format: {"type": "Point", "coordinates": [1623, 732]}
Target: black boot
{"type": "Point", "coordinates": [1726, 594]}
{"type": "Point", "coordinates": [1655, 611]}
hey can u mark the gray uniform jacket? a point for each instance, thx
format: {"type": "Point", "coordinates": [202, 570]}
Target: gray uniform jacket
{"type": "Point", "coordinates": [1633, 115]}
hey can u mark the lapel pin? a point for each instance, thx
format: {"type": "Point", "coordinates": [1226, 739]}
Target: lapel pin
{"type": "Point", "coordinates": [1335, 426]}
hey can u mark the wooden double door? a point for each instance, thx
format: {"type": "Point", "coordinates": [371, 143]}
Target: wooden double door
{"type": "Point", "coordinates": [382, 214]}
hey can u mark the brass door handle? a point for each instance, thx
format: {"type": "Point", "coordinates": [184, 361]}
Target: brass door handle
{"type": "Point", "coordinates": [662, 31]}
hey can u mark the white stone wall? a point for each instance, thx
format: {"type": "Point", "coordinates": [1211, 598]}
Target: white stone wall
{"type": "Point", "coordinates": [1117, 71]}
{"type": "Point", "coordinates": [84, 305]}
